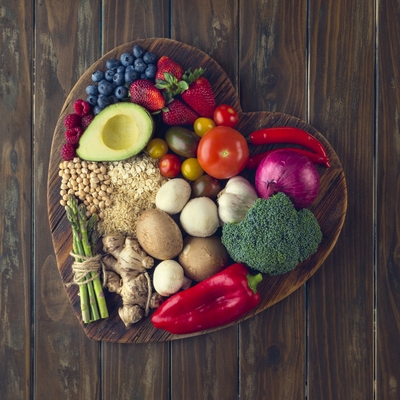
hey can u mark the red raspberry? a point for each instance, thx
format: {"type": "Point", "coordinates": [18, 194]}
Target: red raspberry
{"type": "Point", "coordinates": [86, 120]}
{"type": "Point", "coordinates": [81, 107]}
{"type": "Point", "coordinates": [68, 151]}
{"type": "Point", "coordinates": [73, 121]}
{"type": "Point", "coordinates": [72, 135]}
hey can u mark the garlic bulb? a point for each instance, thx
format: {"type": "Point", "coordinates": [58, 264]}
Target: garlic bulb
{"type": "Point", "coordinates": [235, 200]}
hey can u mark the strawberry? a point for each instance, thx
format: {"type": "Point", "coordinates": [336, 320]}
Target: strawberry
{"type": "Point", "coordinates": [166, 64]}
{"type": "Point", "coordinates": [178, 113]}
{"type": "Point", "coordinates": [144, 93]}
{"type": "Point", "coordinates": [199, 94]}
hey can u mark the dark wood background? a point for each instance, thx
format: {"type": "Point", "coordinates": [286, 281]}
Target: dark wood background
{"type": "Point", "coordinates": [334, 64]}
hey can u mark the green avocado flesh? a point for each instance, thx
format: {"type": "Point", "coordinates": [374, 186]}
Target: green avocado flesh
{"type": "Point", "coordinates": [118, 132]}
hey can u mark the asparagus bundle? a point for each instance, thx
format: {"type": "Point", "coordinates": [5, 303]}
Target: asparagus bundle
{"type": "Point", "coordinates": [93, 303]}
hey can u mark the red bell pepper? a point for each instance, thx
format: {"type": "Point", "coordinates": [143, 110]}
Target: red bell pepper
{"type": "Point", "coordinates": [287, 134]}
{"type": "Point", "coordinates": [254, 161]}
{"type": "Point", "coordinates": [218, 300]}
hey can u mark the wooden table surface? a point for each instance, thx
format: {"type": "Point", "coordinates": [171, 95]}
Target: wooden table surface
{"type": "Point", "coordinates": [332, 63]}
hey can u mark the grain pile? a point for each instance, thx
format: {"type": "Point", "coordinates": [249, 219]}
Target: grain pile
{"type": "Point", "coordinates": [134, 184]}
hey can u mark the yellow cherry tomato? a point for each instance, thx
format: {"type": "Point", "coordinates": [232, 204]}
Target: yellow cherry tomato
{"type": "Point", "coordinates": [157, 148]}
{"type": "Point", "coordinates": [191, 169]}
{"type": "Point", "coordinates": [202, 125]}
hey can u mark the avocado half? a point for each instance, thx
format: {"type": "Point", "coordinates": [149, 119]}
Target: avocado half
{"type": "Point", "coordinates": [118, 132]}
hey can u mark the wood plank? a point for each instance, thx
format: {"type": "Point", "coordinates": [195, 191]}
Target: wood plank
{"type": "Point", "coordinates": [135, 371]}
{"type": "Point", "coordinates": [272, 69]}
{"type": "Point", "coordinates": [388, 201]}
{"type": "Point", "coordinates": [66, 363]}
{"type": "Point", "coordinates": [206, 367]}
{"type": "Point", "coordinates": [125, 21]}
{"type": "Point", "coordinates": [16, 78]}
{"type": "Point", "coordinates": [342, 107]}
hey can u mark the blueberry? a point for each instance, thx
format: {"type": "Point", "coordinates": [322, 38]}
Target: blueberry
{"type": "Point", "coordinates": [113, 99]}
{"type": "Point", "coordinates": [112, 63]}
{"type": "Point", "coordinates": [121, 92]}
{"type": "Point", "coordinates": [121, 68]}
{"type": "Point", "coordinates": [127, 59]}
{"type": "Point", "coordinates": [103, 101]}
{"type": "Point", "coordinates": [105, 87]}
{"type": "Point", "coordinates": [140, 65]}
{"type": "Point", "coordinates": [138, 51]}
{"type": "Point", "coordinates": [92, 100]}
{"type": "Point", "coordinates": [97, 76]}
{"type": "Point", "coordinates": [150, 71]}
{"type": "Point", "coordinates": [92, 90]}
{"type": "Point", "coordinates": [143, 76]}
{"type": "Point", "coordinates": [130, 74]}
{"type": "Point", "coordinates": [149, 58]}
{"type": "Point", "coordinates": [119, 78]}
{"type": "Point", "coordinates": [96, 110]}
{"type": "Point", "coordinates": [109, 75]}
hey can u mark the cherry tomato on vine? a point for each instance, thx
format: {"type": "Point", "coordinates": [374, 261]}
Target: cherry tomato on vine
{"type": "Point", "coordinates": [191, 169]}
{"type": "Point", "coordinates": [225, 115]}
{"type": "Point", "coordinates": [202, 125]}
{"type": "Point", "coordinates": [223, 152]}
{"type": "Point", "coordinates": [170, 165]}
{"type": "Point", "coordinates": [157, 148]}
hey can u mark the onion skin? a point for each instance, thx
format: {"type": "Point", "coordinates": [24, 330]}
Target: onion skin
{"type": "Point", "coordinates": [288, 172]}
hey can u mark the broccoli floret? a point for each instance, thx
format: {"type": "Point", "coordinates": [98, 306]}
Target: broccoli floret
{"type": "Point", "coordinates": [274, 237]}
{"type": "Point", "coordinates": [310, 234]}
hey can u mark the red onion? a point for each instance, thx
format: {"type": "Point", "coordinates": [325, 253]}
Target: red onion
{"type": "Point", "coordinates": [288, 172]}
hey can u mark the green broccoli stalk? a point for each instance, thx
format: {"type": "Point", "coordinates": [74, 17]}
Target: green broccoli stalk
{"type": "Point", "coordinates": [274, 237]}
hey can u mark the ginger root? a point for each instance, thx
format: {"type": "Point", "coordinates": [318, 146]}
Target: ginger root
{"type": "Point", "coordinates": [126, 268]}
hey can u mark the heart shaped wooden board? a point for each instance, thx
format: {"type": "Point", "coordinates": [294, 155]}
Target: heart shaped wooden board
{"type": "Point", "coordinates": [329, 207]}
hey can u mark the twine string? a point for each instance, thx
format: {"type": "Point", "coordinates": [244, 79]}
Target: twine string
{"type": "Point", "coordinates": [82, 269]}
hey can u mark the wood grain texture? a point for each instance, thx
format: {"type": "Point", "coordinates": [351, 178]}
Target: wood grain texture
{"type": "Point", "coordinates": [273, 72]}
{"type": "Point", "coordinates": [341, 294]}
{"type": "Point", "coordinates": [125, 377]}
{"type": "Point", "coordinates": [329, 207]}
{"type": "Point", "coordinates": [63, 354]}
{"type": "Point", "coordinates": [388, 204]}
{"type": "Point", "coordinates": [16, 79]}
{"type": "Point", "coordinates": [125, 21]}
{"type": "Point", "coordinates": [201, 365]}
{"type": "Point", "coordinates": [327, 340]}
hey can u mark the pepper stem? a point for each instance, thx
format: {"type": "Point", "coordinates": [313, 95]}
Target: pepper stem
{"type": "Point", "coordinates": [253, 281]}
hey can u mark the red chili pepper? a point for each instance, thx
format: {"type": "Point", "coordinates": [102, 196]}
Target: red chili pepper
{"type": "Point", "coordinates": [255, 160]}
{"type": "Point", "coordinates": [288, 134]}
{"type": "Point", "coordinates": [218, 300]}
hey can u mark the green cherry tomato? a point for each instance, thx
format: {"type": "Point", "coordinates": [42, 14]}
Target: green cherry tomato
{"type": "Point", "coordinates": [191, 169]}
{"type": "Point", "coordinates": [225, 115]}
{"type": "Point", "coordinates": [157, 148]}
{"type": "Point", "coordinates": [206, 186]}
{"type": "Point", "coordinates": [170, 165]}
{"type": "Point", "coordinates": [202, 125]}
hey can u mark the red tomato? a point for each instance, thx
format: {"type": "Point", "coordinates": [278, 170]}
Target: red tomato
{"type": "Point", "coordinates": [170, 165]}
{"type": "Point", "coordinates": [225, 115]}
{"type": "Point", "coordinates": [223, 152]}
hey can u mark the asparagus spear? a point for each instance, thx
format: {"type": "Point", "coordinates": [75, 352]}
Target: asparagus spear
{"type": "Point", "coordinates": [77, 249]}
{"type": "Point", "coordinates": [98, 289]}
{"type": "Point", "coordinates": [91, 293]}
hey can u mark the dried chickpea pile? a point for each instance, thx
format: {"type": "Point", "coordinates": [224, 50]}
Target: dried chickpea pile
{"type": "Point", "coordinates": [88, 181]}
